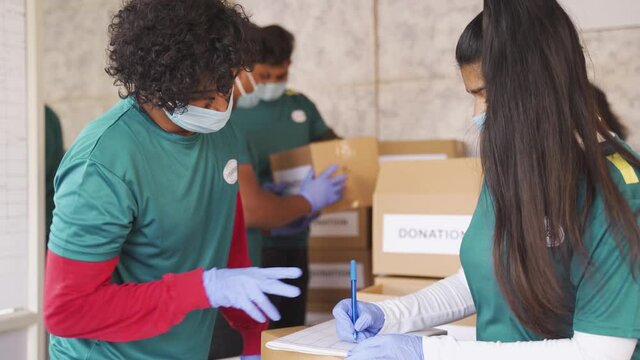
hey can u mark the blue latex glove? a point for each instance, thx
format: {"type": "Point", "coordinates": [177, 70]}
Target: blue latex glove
{"type": "Point", "coordinates": [370, 320]}
{"type": "Point", "coordinates": [249, 357]}
{"type": "Point", "coordinates": [295, 227]}
{"type": "Point", "coordinates": [388, 347]}
{"type": "Point", "coordinates": [245, 289]}
{"type": "Point", "coordinates": [323, 190]}
{"type": "Point", "coordinates": [276, 188]}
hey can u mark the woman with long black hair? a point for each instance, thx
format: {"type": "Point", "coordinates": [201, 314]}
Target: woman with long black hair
{"type": "Point", "coordinates": [551, 256]}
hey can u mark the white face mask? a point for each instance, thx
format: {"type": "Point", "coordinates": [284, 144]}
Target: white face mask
{"type": "Point", "coordinates": [273, 91]}
{"type": "Point", "coordinates": [201, 120]}
{"type": "Point", "coordinates": [249, 100]}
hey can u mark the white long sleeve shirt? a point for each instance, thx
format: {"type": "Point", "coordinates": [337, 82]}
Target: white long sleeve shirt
{"type": "Point", "coordinates": [450, 300]}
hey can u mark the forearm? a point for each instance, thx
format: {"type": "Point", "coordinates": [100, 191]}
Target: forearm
{"type": "Point", "coordinates": [266, 210]}
{"type": "Point", "coordinates": [581, 347]}
{"type": "Point", "coordinates": [441, 303]}
{"type": "Point", "coordinates": [81, 301]}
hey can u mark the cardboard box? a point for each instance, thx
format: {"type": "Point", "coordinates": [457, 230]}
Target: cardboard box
{"type": "Point", "coordinates": [357, 158]}
{"type": "Point", "coordinates": [386, 288]}
{"type": "Point", "coordinates": [329, 280]}
{"type": "Point", "coordinates": [421, 150]}
{"type": "Point", "coordinates": [315, 317]}
{"type": "Point", "coordinates": [421, 212]}
{"type": "Point", "coordinates": [342, 230]}
{"type": "Point", "coordinates": [268, 354]}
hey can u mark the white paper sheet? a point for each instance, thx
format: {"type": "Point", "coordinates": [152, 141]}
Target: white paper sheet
{"type": "Point", "coordinates": [322, 340]}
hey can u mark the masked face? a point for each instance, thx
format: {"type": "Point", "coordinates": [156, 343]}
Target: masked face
{"type": "Point", "coordinates": [273, 91]}
{"type": "Point", "coordinates": [474, 83]}
{"type": "Point", "coordinates": [249, 100]}
{"type": "Point", "coordinates": [201, 120]}
{"type": "Point", "coordinates": [274, 78]}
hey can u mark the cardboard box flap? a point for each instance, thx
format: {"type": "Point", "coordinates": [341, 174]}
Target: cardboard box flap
{"type": "Point", "coordinates": [446, 148]}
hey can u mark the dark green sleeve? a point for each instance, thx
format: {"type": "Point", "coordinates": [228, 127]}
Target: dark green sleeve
{"type": "Point", "coordinates": [317, 126]}
{"type": "Point", "coordinates": [54, 151]}
{"type": "Point", "coordinates": [608, 293]}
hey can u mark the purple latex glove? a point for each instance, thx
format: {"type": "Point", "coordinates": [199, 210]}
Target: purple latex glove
{"type": "Point", "coordinates": [370, 320]}
{"type": "Point", "coordinates": [323, 190]}
{"type": "Point", "coordinates": [389, 347]}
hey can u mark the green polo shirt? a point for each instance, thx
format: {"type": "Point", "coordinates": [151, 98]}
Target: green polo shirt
{"type": "Point", "coordinates": [607, 295]}
{"type": "Point", "coordinates": [284, 124]}
{"type": "Point", "coordinates": [162, 202]}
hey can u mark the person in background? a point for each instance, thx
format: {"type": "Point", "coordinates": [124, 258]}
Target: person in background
{"type": "Point", "coordinates": [267, 209]}
{"type": "Point", "coordinates": [604, 110]}
{"type": "Point", "coordinates": [550, 259]}
{"type": "Point", "coordinates": [54, 151]}
{"type": "Point", "coordinates": [282, 120]}
{"type": "Point", "coordinates": [148, 236]}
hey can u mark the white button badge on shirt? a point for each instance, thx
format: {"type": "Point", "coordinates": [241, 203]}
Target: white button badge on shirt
{"type": "Point", "coordinates": [230, 172]}
{"type": "Point", "coordinates": [299, 116]}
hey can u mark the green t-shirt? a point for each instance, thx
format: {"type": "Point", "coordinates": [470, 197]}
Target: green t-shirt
{"type": "Point", "coordinates": [284, 124]}
{"type": "Point", "coordinates": [54, 151]}
{"type": "Point", "coordinates": [607, 296]}
{"type": "Point", "coordinates": [162, 202]}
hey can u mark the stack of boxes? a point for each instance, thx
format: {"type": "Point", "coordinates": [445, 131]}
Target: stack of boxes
{"type": "Point", "coordinates": [421, 210]}
{"type": "Point", "coordinates": [425, 194]}
{"type": "Point", "coordinates": [337, 238]}
{"type": "Point", "coordinates": [343, 231]}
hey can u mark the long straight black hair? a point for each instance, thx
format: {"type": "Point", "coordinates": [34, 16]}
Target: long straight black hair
{"type": "Point", "coordinates": [541, 135]}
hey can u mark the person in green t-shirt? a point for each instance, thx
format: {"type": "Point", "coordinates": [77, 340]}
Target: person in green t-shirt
{"type": "Point", "coordinates": [282, 120]}
{"type": "Point", "coordinates": [551, 257]}
{"type": "Point", "coordinates": [148, 237]}
{"type": "Point", "coordinates": [272, 119]}
{"type": "Point", "coordinates": [267, 208]}
{"type": "Point", "coordinates": [54, 151]}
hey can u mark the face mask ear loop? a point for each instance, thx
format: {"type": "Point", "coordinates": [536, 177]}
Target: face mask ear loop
{"type": "Point", "coordinates": [240, 86]}
{"type": "Point", "coordinates": [252, 80]}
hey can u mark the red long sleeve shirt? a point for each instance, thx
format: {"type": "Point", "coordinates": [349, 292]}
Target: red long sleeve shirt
{"type": "Point", "coordinates": [81, 301]}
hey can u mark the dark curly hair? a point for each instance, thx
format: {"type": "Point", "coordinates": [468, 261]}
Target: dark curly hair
{"type": "Point", "coordinates": [168, 52]}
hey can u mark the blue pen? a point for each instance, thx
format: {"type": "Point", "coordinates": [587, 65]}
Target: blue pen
{"type": "Point", "coordinates": [354, 300]}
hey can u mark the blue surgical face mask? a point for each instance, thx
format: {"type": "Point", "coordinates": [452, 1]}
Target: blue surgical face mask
{"type": "Point", "coordinates": [201, 120]}
{"type": "Point", "coordinates": [273, 91]}
{"type": "Point", "coordinates": [249, 100]}
{"type": "Point", "coordinates": [479, 120]}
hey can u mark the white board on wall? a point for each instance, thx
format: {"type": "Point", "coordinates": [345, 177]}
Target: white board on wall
{"type": "Point", "coordinates": [603, 14]}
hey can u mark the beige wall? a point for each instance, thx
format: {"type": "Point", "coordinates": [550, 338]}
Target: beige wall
{"type": "Point", "coordinates": [373, 67]}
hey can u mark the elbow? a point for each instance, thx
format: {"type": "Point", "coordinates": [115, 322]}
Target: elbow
{"type": "Point", "coordinates": [60, 316]}
{"type": "Point", "coordinates": [56, 322]}
{"type": "Point", "coordinates": [250, 219]}
{"type": "Point", "coordinates": [253, 216]}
